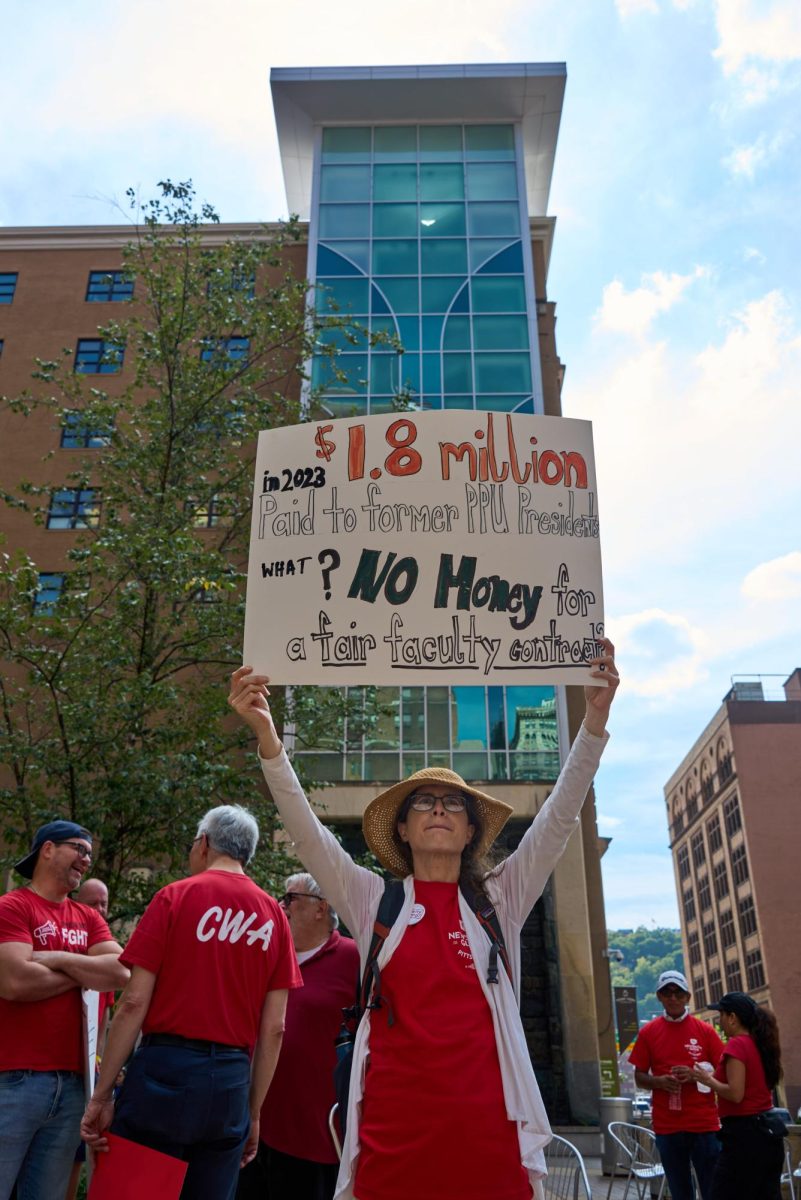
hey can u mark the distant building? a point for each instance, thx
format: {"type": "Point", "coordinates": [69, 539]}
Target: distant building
{"type": "Point", "coordinates": [733, 812]}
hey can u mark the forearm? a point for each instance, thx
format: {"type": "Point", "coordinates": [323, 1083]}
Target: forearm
{"type": "Point", "coordinates": [265, 1058]}
{"type": "Point", "coordinates": [123, 1032]}
{"type": "Point", "coordinates": [102, 972]}
{"type": "Point", "coordinates": [646, 1081]}
{"type": "Point", "coordinates": [30, 981]}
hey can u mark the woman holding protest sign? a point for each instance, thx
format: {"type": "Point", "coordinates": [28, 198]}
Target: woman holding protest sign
{"type": "Point", "coordinates": [443, 1101]}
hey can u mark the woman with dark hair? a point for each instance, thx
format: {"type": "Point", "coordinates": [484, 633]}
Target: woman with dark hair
{"type": "Point", "coordinates": [443, 1103]}
{"type": "Point", "coordinates": [749, 1166]}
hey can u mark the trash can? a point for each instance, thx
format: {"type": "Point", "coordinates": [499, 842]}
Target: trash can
{"type": "Point", "coordinates": [613, 1108]}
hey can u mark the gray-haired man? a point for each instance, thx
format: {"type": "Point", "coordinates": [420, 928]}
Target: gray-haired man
{"type": "Point", "coordinates": [211, 962]}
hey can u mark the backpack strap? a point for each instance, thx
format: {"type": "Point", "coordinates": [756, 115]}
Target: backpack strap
{"type": "Point", "coordinates": [388, 910]}
{"type": "Point", "coordinates": [487, 918]}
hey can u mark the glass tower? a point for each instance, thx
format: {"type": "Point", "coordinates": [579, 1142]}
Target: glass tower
{"type": "Point", "coordinates": [419, 232]}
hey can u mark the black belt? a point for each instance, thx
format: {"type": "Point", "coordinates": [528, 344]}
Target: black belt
{"type": "Point", "coordinates": [175, 1039]}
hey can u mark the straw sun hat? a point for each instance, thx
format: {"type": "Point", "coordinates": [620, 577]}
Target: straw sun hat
{"type": "Point", "coordinates": [381, 815]}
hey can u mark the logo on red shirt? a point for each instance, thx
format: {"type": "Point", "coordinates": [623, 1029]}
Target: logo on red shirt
{"type": "Point", "coordinates": [45, 931]}
{"type": "Point", "coordinates": [232, 926]}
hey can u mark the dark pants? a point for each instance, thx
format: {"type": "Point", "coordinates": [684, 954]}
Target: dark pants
{"type": "Point", "coordinates": [192, 1104]}
{"type": "Point", "coordinates": [750, 1163]}
{"type": "Point", "coordinates": [678, 1151]}
{"type": "Point", "coordinates": [276, 1176]}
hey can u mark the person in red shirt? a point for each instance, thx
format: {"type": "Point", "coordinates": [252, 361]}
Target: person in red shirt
{"type": "Point", "coordinates": [443, 1101]}
{"type": "Point", "coordinates": [751, 1160]}
{"type": "Point", "coordinates": [685, 1117]}
{"type": "Point", "coordinates": [211, 963]}
{"type": "Point", "coordinates": [297, 1159]}
{"type": "Point", "coordinates": [94, 893]}
{"type": "Point", "coordinates": [50, 947]}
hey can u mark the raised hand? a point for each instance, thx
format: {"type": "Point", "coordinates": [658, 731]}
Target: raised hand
{"type": "Point", "coordinates": [249, 698]}
{"type": "Point", "coordinates": [598, 699]}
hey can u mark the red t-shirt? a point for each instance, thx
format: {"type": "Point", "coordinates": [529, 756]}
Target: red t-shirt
{"type": "Point", "coordinates": [46, 1035]}
{"type": "Point", "coordinates": [663, 1044]}
{"type": "Point", "coordinates": [218, 944]}
{"type": "Point", "coordinates": [757, 1097]}
{"type": "Point", "coordinates": [294, 1117]}
{"type": "Point", "coordinates": [434, 1120]}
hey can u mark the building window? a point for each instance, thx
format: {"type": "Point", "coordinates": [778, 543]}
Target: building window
{"type": "Point", "coordinates": [482, 733]}
{"type": "Point", "coordinates": [707, 785]}
{"type": "Point", "coordinates": [694, 948]}
{"type": "Point", "coordinates": [688, 903]}
{"type": "Point", "coordinates": [105, 286]}
{"type": "Point", "coordinates": [725, 769]}
{"type": "Point", "coordinates": [739, 865]}
{"type": "Point", "coordinates": [683, 859]}
{"type": "Point", "coordinates": [728, 934]}
{"type": "Point", "coordinates": [721, 880]}
{"type": "Point", "coordinates": [734, 979]}
{"type": "Point", "coordinates": [710, 940]}
{"type": "Point", "coordinates": [76, 434]}
{"type": "Point", "coordinates": [699, 992]}
{"type": "Point", "coordinates": [731, 815]}
{"type": "Point", "coordinates": [226, 353]}
{"type": "Point", "coordinates": [226, 283]}
{"type": "Point", "coordinates": [49, 587]}
{"type": "Point", "coordinates": [692, 804]}
{"type": "Point", "coordinates": [704, 893]}
{"type": "Point", "coordinates": [678, 824]}
{"type": "Point", "coordinates": [2, 344]}
{"type": "Point", "coordinates": [97, 357]}
{"type": "Point", "coordinates": [754, 971]}
{"type": "Point", "coordinates": [420, 237]}
{"type": "Point", "coordinates": [713, 834]}
{"type": "Point", "coordinates": [72, 508]}
{"type": "Point", "coordinates": [208, 514]}
{"type": "Point", "coordinates": [699, 852]}
{"type": "Point", "coordinates": [8, 285]}
{"type": "Point", "coordinates": [715, 984]}
{"type": "Point", "coordinates": [748, 923]}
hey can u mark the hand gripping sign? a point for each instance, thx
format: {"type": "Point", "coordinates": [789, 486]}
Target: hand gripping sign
{"type": "Point", "coordinates": [425, 548]}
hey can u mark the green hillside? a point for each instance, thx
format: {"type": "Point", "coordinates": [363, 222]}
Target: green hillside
{"type": "Point", "coordinates": [646, 954]}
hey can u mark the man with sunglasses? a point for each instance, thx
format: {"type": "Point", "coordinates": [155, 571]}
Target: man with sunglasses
{"type": "Point", "coordinates": [297, 1159]}
{"type": "Point", "coordinates": [685, 1118]}
{"type": "Point", "coordinates": [50, 947]}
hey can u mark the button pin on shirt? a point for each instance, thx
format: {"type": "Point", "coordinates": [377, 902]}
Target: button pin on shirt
{"type": "Point", "coordinates": [417, 913]}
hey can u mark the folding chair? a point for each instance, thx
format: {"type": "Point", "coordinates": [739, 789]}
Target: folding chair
{"type": "Point", "coordinates": [638, 1155]}
{"type": "Point", "coordinates": [332, 1126]}
{"type": "Point", "coordinates": [567, 1175]}
{"type": "Point", "coordinates": [789, 1175]}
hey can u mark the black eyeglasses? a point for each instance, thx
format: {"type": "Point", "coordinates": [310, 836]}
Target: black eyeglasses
{"type": "Point", "coordinates": [672, 991]}
{"type": "Point", "coordinates": [452, 802]}
{"type": "Point", "coordinates": [80, 850]}
{"type": "Point", "coordinates": [288, 897]}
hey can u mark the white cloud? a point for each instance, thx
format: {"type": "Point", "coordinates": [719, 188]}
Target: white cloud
{"type": "Point", "coordinates": [607, 822]}
{"type": "Point", "coordinates": [661, 653]}
{"type": "Point", "coordinates": [779, 579]}
{"type": "Point", "coordinates": [634, 312]}
{"type": "Point", "coordinates": [744, 161]}
{"type": "Point", "coordinates": [752, 254]}
{"type": "Point", "coordinates": [757, 29]}
{"type": "Point", "coordinates": [697, 461]}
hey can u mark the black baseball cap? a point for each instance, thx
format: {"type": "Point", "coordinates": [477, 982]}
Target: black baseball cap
{"type": "Point", "coordinates": [738, 1003]}
{"type": "Point", "coordinates": [54, 831]}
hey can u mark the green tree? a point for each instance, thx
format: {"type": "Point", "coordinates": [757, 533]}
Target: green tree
{"type": "Point", "coordinates": [112, 703]}
{"type": "Point", "coordinates": [646, 954]}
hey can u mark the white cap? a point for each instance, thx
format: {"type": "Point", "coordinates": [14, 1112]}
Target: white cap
{"type": "Point", "coordinates": [675, 977]}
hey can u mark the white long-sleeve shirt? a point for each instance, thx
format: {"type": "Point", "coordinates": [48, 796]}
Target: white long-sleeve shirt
{"type": "Point", "coordinates": [514, 887]}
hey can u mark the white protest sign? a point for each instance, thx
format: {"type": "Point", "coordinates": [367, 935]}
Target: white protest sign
{"type": "Point", "coordinates": [424, 548]}
{"type": "Point", "coordinates": [90, 1006]}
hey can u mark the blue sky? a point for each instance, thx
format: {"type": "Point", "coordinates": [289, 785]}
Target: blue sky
{"type": "Point", "coordinates": [675, 271]}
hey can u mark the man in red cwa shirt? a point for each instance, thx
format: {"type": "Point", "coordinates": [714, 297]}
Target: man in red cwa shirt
{"type": "Point", "coordinates": [50, 947]}
{"type": "Point", "coordinates": [211, 963]}
{"type": "Point", "coordinates": [685, 1117]}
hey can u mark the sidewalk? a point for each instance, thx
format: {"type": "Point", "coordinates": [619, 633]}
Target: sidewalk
{"type": "Point", "coordinates": [600, 1183]}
